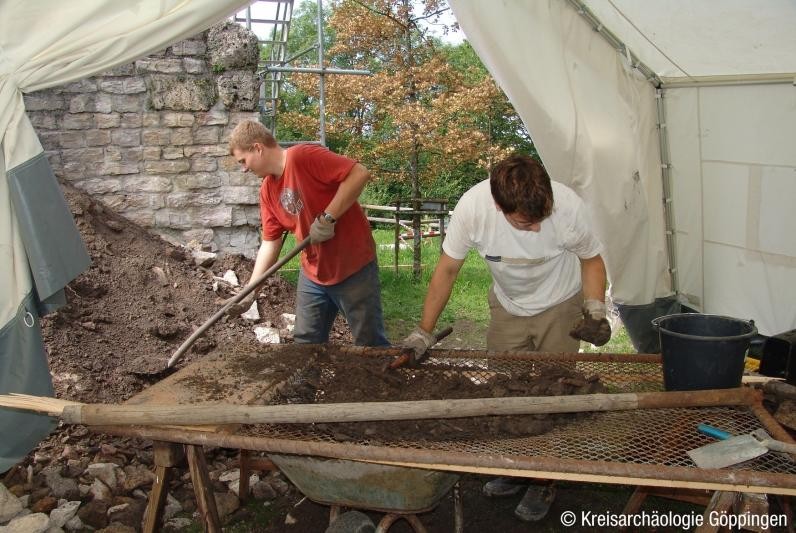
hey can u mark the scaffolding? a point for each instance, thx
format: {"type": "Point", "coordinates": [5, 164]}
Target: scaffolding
{"type": "Point", "coordinates": [272, 18]}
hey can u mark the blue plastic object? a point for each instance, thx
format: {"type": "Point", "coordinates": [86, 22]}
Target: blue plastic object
{"type": "Point", "coordinates": [710, 431]}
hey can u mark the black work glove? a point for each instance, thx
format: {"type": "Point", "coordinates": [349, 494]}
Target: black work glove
{"type": "Point", "coordinates": [594, 326]}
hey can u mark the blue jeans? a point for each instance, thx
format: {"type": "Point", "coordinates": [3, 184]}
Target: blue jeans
{"type": "Point", "coordinates": [358, 297]}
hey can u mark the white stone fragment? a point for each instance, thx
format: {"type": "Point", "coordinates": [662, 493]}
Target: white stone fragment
{"type": "Point", "coordinates": [266, 335]}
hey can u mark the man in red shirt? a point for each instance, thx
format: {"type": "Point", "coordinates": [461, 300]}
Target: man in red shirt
{"type": "Point", "coordinates": [313, 192]}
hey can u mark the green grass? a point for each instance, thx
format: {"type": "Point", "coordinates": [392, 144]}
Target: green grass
{"type": "Point", "coordinates": [403, 295]}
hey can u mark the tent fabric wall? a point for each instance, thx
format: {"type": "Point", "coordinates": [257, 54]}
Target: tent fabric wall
{"type": "Point", "coordinates": [45, 44]}
{"type": "Point", "coordinates": [727, 72]}
{"type": "Point", "coordinates": [593, 120]}
{"type": "Point", "coordinates": [734, 194]}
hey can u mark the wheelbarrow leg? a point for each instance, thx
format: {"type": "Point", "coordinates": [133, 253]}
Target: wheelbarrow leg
{"type": "Point", "coordinates": [390, 519]}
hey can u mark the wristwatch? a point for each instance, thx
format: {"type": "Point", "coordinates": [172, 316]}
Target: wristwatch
{"type": "Point", "coordinates": [328, 218]}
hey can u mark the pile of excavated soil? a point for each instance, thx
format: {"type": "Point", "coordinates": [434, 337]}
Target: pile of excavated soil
{"type": "Point", "coordinates": [139, 300]}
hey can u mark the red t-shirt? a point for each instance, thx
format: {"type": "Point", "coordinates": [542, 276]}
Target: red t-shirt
{"type": "Point", "coordinates": [293, 201]}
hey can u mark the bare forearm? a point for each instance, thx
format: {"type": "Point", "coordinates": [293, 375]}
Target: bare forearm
{"type": "Point", "coordinates": [439, 291]}
{"type": "Point", "coordinates": [266, 257]}
{"type": "Point", "coordinates": [348, 192]}
{"type": "Point", "coordinates": [593, 277]}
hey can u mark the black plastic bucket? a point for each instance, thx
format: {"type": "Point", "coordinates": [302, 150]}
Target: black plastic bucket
{"type": "Point", "coordinates": [703, 351]}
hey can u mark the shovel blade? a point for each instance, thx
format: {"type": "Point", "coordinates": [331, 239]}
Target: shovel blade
{"type": "Point", "coordinates": [727, 452]}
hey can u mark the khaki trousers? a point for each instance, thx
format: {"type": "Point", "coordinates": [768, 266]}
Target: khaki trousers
{"type": "Point", "coordinates": [546, 332]}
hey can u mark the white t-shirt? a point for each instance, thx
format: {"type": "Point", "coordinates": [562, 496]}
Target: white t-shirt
{"type": "Point", "coordinates": [531, 271]}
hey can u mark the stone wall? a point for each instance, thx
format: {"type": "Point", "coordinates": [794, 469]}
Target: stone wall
{"type": "Point", "coordinates": [149, 138]}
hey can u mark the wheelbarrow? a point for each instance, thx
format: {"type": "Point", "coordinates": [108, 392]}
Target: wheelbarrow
{"type": "Point", "coordinates": [398, 491]}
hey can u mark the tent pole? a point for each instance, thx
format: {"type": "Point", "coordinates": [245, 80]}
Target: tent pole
{"type": "Point", "coordinates": [666, 182]}
{"type": "Point", "coordinates": [663, 137]}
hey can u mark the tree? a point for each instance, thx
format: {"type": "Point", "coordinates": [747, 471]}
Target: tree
{"type": "Point", "coordinates": [429, 118]}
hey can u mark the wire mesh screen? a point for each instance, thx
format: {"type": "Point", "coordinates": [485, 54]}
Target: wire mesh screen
{"type": "Point", "coordinates": [659, 437]}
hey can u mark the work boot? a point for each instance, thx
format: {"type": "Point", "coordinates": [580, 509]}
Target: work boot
{"type": "Point", "coordinates": [536, 502]}
{"type": "Point", "coordinates": [504, 486]}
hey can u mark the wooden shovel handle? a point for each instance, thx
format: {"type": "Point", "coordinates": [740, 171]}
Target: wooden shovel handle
{"type": "Point", "coordinates": [235, 299]}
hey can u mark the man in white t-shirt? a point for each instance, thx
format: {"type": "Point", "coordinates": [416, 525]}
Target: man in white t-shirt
{"type": "Point", "coordinates": [548, 289]}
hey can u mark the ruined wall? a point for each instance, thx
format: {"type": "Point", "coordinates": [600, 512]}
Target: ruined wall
{"type": "Point", "coordinates": [149, 138]}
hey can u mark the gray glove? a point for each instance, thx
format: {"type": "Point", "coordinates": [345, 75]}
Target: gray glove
{"type": "Point", "coordinates": [419, 342]}
{"type": "Point", "coordinates": [594, 326]}
{"type": "Point", "coordinates": [321, 230]}
{"type": "Point", "coordinates": [241, 307]}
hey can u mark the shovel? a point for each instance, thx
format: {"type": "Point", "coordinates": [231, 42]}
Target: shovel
{"type": "Point", "coordinates": [732, 450]}
{"type": "Point", "coordinates": [232, 301]}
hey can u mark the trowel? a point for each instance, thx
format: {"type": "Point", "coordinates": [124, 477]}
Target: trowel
{"type": "Point", "coordinates": [734, 449]}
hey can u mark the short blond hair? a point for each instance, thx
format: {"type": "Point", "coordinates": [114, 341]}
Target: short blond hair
{"type": "Point", "coordinates": [249, 132]}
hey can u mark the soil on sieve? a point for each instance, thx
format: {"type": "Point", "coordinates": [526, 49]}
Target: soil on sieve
{"type": "Point", "coordinates": [137, 302]}
{"type": "Point", "coordinates": [346, 378]}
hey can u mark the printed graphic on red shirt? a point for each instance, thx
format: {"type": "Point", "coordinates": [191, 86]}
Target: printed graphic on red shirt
{"type": "Point", "coordinates": [292, 201]}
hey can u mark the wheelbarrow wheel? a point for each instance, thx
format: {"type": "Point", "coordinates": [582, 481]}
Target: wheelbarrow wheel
{"type": "Point", "coordinates": [352, 522]}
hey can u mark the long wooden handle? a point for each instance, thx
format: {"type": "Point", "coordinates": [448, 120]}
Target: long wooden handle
{"type": "Point", "coordinates": [235, 299]}
{"type": "Point", "coordinates": [97, 414]}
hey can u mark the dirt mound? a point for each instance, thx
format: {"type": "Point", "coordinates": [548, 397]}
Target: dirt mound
{"type": "Point", "coordinates": [139, 300]}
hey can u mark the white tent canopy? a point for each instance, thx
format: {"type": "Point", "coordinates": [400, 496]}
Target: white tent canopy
{"type": "Point", "coordinates": [702, 207]}
{"type": "Point", "coordinates": [46, 43]}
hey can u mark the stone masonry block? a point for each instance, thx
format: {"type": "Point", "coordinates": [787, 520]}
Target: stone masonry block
{"type": "Point", "coordinates": [132, 154]}
{"type": "Point", "coordinates": [166, 66]}
{"type": "Point", "coordinates": [231, 46]}
{"type": "Point", "coordinates": [212, 118]}
{"type": "Point", "coordinates": [43, 101]}
{"type": "Point", "coordinates": [180, 200]}
{"type": "Point", "coordinates": [81, 86]}
{"type": "Point", "coordinates": [146, 183]}
{"type": "Point", "coordinates": [167, 167]}
{"type": "Point", "coordinates": [123, 86]}
{"type": "Point", "coordinates": [241, 195]}
{"type": "Point", "coordinates": [151, 152]}
{"type": "Point", "coordinates": [127, 103]}
{"type": "Point", "coordinates": [126, 137]}
{"type": "Point", "coordinates": [193, 93]}
{"type": "Point", "coordinates": [194, 66]}
{"type": "Point", "coordinates": [207, 135]}
{"type": "Point", "coordinates": [198, 180]}
{"type": "Point", "coordinates": [77, 121]}
{"type": "Point", "coordinates": [156, 136]}
{"type": "Point", "coordinates": [189, 47]}
{"type": "Point", "coordinates": [97, 137]}
{"type": "Point", "coordinates": [177, 120]}
{"type": "Point", "coordinates": [131, 120]}
{"type": "Point", "coordinates": [172, 152]}
{"type": "Point", "coordinates": [107, 120]}
{"type": "Point", "coordinates": [118, 168]}
{"type": "Point", "coordinates": [122, 70]}
{"type": "Point", "coordinates": [101, 185]}
{"type": "Point", "coordinates": [203, 164]}
{"type": "Point", "coordinates": [71, 139]}
{"type": "Point", "coordinates": [217, 150]}
{"type": "Point", "coordinates": [42, 121]}
{"type": "Point", "coordinates": [151, 119]}
{"type": "Point", "coordinates": [182, 136]}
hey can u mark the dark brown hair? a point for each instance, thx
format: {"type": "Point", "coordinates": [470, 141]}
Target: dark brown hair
{"type": "Point", "coordinates": [521, 185]}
